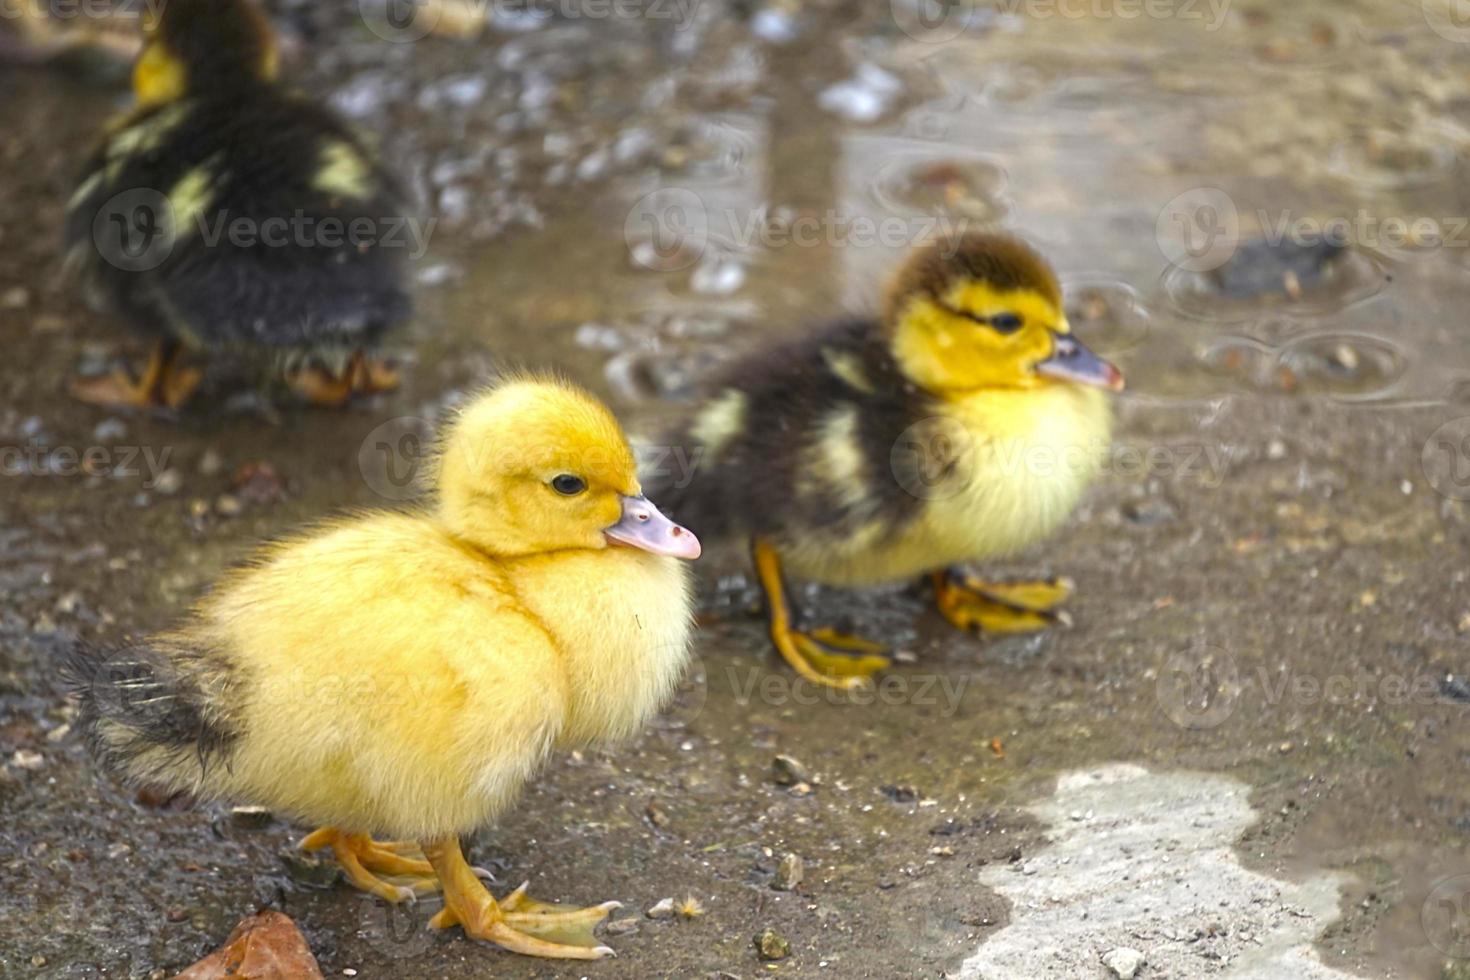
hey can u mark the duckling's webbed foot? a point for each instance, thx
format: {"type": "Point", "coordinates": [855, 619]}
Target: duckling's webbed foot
{"type": "Point", "coordinates": [519, 923]}
{"type": "Point", "coordinates": [822, 656]}
{"type": "Point", "coordinates": [361, 376]}
{"type": "Point", "coordinates": [164, 383]}
{"type": "Point", "coordinates": [1000, 607]}
{"type": "Point", "coordinates": [364, 860]}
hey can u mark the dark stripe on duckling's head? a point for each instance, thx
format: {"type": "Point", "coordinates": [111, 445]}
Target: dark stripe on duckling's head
{"type": "Point", "coordinates": [1003, 263]}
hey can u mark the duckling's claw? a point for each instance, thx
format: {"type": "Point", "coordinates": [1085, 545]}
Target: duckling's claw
{"type": "Point", "coordinates": [361, 376]}
{"type": "Point", "coordinates": [1005, 607]}
{"type": "Point", "coordinates": [520, 924]}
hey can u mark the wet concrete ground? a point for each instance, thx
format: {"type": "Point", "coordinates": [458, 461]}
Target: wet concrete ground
{"type": "Point", "coordinates": [1271, 575]}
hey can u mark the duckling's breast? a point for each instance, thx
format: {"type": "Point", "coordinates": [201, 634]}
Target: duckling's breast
{"type": "Point", "coordinates": [1018, 462]}
{"type": "Point", "coordinates": [622, 620]}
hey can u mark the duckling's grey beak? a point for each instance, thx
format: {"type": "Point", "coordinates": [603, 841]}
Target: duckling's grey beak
{"type": "Point", "coordinates": [644, 527]}
{"type": "Point", "coordinates": [1072, 361]}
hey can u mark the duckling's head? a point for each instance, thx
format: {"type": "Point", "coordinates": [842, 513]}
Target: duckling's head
{"type": "Point", "coordinates": [985, 311]}
{"type": "Point", "coordinates": [193, 45]}
{"type": "Point", "coordinates": [537, 465]}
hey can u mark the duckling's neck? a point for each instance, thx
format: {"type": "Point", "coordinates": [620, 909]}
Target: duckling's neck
{"type": "Point", "coordinates": [621, 618]}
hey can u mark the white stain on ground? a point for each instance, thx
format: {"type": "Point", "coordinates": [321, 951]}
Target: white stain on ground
{"type": "Point", "coordinates": [1145, 861]}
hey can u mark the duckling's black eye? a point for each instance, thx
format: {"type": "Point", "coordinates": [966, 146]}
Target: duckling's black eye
{"type": "Point", "coordinates": [1006, 322]}
{"type": "Point", "coordinates": [568, 485]}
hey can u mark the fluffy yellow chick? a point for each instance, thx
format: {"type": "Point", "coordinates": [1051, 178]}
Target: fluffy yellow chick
{"type": "Point", "coordinates": [403, 674]}
{"type": "Point", "coordinates": [961, 425]}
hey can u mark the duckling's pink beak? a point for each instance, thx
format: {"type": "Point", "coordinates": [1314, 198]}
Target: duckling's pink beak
{"type": "Point", "coordinates": [644, 527]}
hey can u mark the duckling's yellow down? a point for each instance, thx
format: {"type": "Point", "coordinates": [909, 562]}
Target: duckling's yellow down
{"type": "Point", "coordinates": [388, 674]}
{"type": "Point", "coordinates": [1022, 458]}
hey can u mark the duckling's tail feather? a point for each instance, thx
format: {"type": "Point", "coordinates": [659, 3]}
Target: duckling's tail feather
{"type": "Point", "coordinates": [150, 711]}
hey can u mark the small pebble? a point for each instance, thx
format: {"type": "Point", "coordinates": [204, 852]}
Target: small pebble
{"type": "Point", "coordinates": [788, 873]}
{"type": "Point", "coordinates": [26, 759]}
{"type": "Point", "coordinates": [1147, 513]}
{"type": "Point", "coordinates": [210, 463]}
{"type": "Point", "coordinates": [787, 770]}
{"type": "Point", "coordinates": [169, 482]}
{"type": "Point", "coordinates": [1123, 961]}
{"type": "Point", "coordinates": [662, 909]}
{"type": "Point", "coordinates": [251, 817]}
{"type": "Point", "coordinates": [717, 278]}
{"type": "Point", "coordinates": [621, 927]}
{"type": "Point", "coordinates": [109, 429]}
{"type": "Point", "coordinates": [228, 505]}
{"type": "Point", "coordinates": [771, 945]}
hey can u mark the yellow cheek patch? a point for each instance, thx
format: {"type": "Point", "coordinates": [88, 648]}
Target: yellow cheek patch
{"type": "Point", "coordinates": [984, 300]}
{"type": "Point", "coordinates": [942, 351]}
{"type": "Point", "coordinates": [158, 77]}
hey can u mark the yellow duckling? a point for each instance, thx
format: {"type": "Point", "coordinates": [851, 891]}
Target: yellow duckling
{"type": "Point", "coordinates": [404, 674]}
{"type": "Point", "coordinates": [962, 425]}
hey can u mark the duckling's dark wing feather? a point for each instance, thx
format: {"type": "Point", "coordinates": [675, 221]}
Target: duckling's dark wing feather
{"type": "Point", "coordinates": [804, 437]}
{"type": "Point", "coordinates": [286, 232]}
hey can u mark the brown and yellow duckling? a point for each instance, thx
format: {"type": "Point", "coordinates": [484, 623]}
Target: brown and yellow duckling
{"type": "Point", "coordinates": [876, 450]}
{"type": "Point", "coordinates": [226, 213]}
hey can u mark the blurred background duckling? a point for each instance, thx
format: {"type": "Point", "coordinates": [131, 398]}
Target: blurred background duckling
{"type": "Point", "coordinates": [225, 213]}
{"type": "Point", "coordinates": [405, 674]}
{"type": "Point", "coordinates": [876, 450]}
